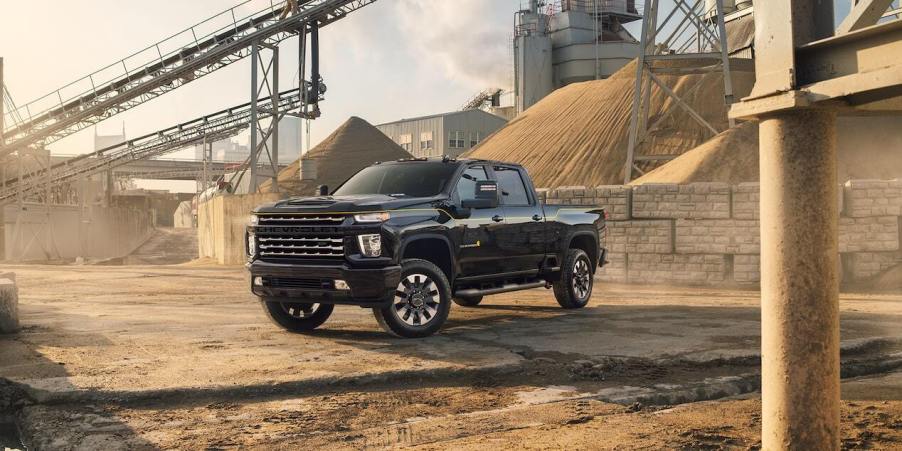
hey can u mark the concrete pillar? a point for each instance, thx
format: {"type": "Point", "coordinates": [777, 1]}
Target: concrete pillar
{"type": "Point", "coordinates": [9, 304]}
{"type": "Point", "coordinates": [799, 281]}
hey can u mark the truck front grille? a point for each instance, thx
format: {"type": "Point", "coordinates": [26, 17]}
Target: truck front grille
{"type": "Point", "coordinates": [301, 236]}
{"type": "Point", "coordinates": [302, 246]}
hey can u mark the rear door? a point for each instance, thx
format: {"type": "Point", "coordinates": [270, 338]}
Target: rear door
{"type": "Point", "coordinates": [522, 239]}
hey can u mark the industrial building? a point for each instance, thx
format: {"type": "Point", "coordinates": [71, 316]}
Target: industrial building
{"type": "Point", "coordinates": [231, 150]}
{"type": "Point", "coordinates": [442, 134]}
{"type": "Point", "coordinates": [569, 42]}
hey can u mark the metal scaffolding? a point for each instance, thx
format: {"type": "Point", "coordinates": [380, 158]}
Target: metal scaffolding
{"type": "Point", "coordinates": [679, 33]}
{"type": "Point", "coordinates": [209, 128]}
{"type": "Point", "coordinates": [164, 66]}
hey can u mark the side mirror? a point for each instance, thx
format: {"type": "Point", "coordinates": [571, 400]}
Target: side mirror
{"type": "Point", "coordinates": [322, 190]}
{"type": "Point", "coordinates": [486, 195]}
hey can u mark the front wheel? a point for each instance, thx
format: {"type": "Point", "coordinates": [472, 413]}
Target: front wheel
{"type": "Point", "coordinates": [295, 316]}
{"type": "Point", "coordinates": [421, 302]}
{"type": "Point", "coordinates": [575, 287]}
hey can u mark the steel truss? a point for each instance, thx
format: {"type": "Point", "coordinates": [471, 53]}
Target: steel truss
{"type": "Point", "coordinates": [162, 67]}
{"type": "Point", "coordinates": [679, 33]}
{"type": "Point", "coordinates": [214, 127]}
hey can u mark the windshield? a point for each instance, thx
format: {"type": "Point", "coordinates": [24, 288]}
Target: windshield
{"type": "Point", "coordinates": [421, 179]}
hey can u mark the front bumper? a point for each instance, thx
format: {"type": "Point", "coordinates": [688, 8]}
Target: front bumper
{"type": "Point", "coordinates": [369, 287]}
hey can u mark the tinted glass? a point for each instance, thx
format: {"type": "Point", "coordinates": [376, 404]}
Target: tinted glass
{"type": "Point", "coordinates": [513, 190]}
{"type": "Point", "coordinates": [420, 179]}
{"type": "Point", "coordinates": [466, 186]}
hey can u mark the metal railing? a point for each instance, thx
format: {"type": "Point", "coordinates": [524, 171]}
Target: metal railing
{"type": "Point", "coordinates": [165, 65]}
{"type": "Point", "coordinates": [214, 127]}
{"type": "Point", "coordinates": [602, 7]}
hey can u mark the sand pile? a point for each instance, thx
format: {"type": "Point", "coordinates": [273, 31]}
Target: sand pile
{"type": "Point", "coordinates": [351, 147]}
{"type": "Point", "coordinates": [578, 134]}
{"type": "Point", "coordinates": [730, 157]}
{"type": "Point", "coordinates": [869, 147]}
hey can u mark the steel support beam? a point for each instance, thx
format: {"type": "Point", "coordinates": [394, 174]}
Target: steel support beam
{"type": "Point", "coordinates": [864, 13]}
{"type": "Point", "coordinates": [265, 95]}
{"type": "Point", "coordinates": [683, 23]}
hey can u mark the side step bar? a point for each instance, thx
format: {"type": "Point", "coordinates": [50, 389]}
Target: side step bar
{"type": "Point", "coordinates": [473, 292]}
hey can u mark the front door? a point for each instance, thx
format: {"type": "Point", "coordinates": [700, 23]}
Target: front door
{"type": "Point", "coordinates": [479, 252]}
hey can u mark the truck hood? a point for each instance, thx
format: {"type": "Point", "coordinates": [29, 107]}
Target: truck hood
{"type": "Point", "coordinates": [344, 204]}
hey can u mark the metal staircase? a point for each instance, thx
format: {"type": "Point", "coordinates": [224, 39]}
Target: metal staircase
{"type": "Point", "coordinates": [161, 67]}
{"type": "Point", "coordinates": [213, 127]}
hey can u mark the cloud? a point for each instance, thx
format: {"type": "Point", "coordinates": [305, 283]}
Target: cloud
{"type": "Point", "coordinates": [464, 38]}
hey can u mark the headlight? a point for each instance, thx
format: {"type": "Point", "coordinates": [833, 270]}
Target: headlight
{"type": "Point", "coordinates": [370, 245]}
{"type": "Point", "coordinates": [381, 216]}
{"type": "Point", "coordinates": [251, 245]}
{"type": "Point", "coordinates": [254, 220]}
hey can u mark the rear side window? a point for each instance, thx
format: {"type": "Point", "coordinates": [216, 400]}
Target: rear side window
{"type": "Point", "coordinates": [513, 190]}
{"type": "Point", "coordinates": [466, 187]}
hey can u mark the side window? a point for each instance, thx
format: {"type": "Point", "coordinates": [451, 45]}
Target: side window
{"type": "Point", "coordinates": [466, 187]}
{"type": "Point", "coordinates": [513, 190]}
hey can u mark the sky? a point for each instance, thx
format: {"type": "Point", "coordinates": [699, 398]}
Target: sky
{"type": "Point", "coordinates": [390, 60]}
{"type": "Point", "coordinates": [393, 59]}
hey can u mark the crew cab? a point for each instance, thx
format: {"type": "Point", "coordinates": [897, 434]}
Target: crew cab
{"type": "Point", "coordinates": [407, 238]}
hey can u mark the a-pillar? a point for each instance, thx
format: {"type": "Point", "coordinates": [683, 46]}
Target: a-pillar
{"type": "Point", "coordinates": [799, 281]}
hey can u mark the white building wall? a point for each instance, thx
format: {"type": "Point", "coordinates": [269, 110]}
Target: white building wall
{"type": "Point", "coordinates": [470, 123]}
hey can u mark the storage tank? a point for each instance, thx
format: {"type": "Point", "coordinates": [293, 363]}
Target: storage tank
{"type": "Point", "coordinates": [307, 169]}
{"type": "Point", "coordinates": [532, 59]}
{"type": "Point", "coordinates": [711, 8]}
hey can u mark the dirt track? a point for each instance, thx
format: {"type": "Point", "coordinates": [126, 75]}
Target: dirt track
{"type": "Point", "coordinates": [182, 357]}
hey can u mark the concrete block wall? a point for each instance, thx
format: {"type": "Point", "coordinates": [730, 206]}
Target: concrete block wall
{"type": "Point", "coordinates": [221, 225]}
{"type": "Point", "coordinates": [709, 233]}
{"type": "Point", "coordinates": [866, 198]}
{"type": "Point", "coordinates": [671, 201]}
{"type": "Point", "coordinates": [68, 232]}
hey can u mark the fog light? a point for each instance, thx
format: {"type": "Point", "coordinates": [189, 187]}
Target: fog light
{"type": "Point", "coordinates": [370, 245]}
{"type": "Point", "coordinates": [258, 281]}
{"type": "Point", "coordinates": [341, 285]}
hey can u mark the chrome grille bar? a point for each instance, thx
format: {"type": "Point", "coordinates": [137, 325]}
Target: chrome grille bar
{"type": "Point", "coordinates": [294, 241]}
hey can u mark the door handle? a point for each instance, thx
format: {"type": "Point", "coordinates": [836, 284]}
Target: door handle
{"type": "Point", "coordinates": [536, 218]}
{"type": "Point", "coordinates": [497, 218]}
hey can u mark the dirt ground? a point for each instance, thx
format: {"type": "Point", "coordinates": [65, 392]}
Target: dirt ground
{"type": "Point", "coordinates": [163, 357]}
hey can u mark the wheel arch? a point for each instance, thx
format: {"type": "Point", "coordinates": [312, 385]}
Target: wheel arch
{"type": "Point", "coordinates": [588, 243]}
{"type": "Point", "coordinates": [433, 248]}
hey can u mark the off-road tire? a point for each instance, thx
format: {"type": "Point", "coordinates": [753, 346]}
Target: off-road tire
{"type": "Point", "coordinates": [288, 316]}
{"type": "Point", "coordinates": [467, 301]}
{"type": "Point", "coordinates": [423, 294]}
{"type": "Point", "coordinates": [569, 293]}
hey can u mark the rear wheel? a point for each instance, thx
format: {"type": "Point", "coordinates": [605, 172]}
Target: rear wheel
{"type": "Point", "coordinates": [421, 302]}
{"type": "Point", "coordinates": [575, 287]}
{"type": "Point", "coordinates": [468, 301]}
{"type": "Point", "coordinates": [296, 316]}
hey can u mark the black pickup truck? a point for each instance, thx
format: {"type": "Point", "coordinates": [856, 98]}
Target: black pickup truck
{"type": "Point", "coordinates": [406, 238]}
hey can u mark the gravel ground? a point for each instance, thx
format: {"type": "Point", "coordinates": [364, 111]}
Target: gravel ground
{"type": "Point", "coordinates": [131, 357]}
